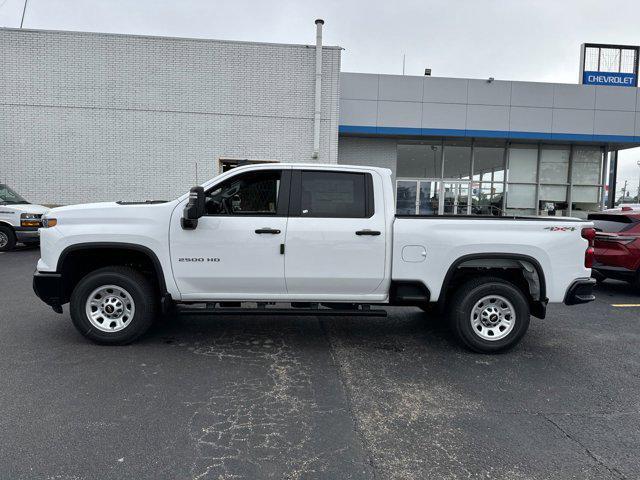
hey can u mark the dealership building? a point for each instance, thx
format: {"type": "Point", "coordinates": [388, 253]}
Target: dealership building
{"type": "Point", "coordinates": [94, 117]}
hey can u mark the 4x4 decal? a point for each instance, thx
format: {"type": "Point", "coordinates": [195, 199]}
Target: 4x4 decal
{"type": "Point", "coordinates": [560, 229]}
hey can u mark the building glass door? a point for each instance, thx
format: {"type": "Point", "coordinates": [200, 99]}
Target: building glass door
{"type": "Point", "coordinates": [429, 201]}
{"type": "Point", "coordinates": [406, 197]}
{"type": "Point", "coordinates": [418, 197]}
{"type": "Point", "coordinates": [455, 198]}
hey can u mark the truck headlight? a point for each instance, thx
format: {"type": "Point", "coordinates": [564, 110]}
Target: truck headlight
{"type": "Point", "coordinates": [30, 220]}
{"type": "Point", "coordinates": [49, 222]}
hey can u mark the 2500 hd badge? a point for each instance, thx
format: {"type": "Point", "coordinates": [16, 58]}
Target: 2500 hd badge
{"type": "Point", "coordinates": [198, 259]}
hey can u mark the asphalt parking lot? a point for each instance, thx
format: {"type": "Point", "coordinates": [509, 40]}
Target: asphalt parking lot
{"type": "Point", "coordinates": [305, 398]}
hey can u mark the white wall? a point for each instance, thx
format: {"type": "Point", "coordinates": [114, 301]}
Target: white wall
{"type": "Point", "coordinates": [93, 117]}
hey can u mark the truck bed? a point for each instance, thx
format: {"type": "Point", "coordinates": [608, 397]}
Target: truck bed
{"type": "Point", "coordinates": [426, 247]}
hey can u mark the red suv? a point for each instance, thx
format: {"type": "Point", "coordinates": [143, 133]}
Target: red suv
{"type": "Point", "coordinates": [617, 245]}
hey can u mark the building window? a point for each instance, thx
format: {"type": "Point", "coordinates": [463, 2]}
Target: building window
{"type": "Point", "coordinates": [419, 160]}
{"type": "Point", "coordinates": [472, 178]}
{"type": "Point", "coordinates": [554, 165]}
{"type": "Point", "coordinates": [406, 195]}
{"type": "Point", "coordinates": [522, 178]}
{"type": "Point", "coordinates": [523, 164]}
{"type": "Point", "coordinates": [457, 160]}
{"type": "Point", "coordinates": [488, 164]}
{"type": "Point", "coordinates": [521, 199]}
{"type": "Point", "coordinates": [586, 180]}
{"type": "Point", "coordinates": [487, 189]}
{"type": "Point", "coordinates": [429, 200]}
{"type": "Point", "coordinates": [486, 198]}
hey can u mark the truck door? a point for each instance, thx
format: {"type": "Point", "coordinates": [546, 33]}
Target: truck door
{"type": "Point", "coordinates": [235, 251]}
{"type": "Point", "coordinates": [336, 234]}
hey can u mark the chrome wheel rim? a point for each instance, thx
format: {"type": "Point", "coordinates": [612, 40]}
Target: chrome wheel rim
{"type": "Point", "coordinates": [4, 240]}
{"type": "Point", "coordinates": [492, 317]}
{"type": "Point", "coordinates": [110, 308]}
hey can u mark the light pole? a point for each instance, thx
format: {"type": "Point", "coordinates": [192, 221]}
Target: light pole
{"type": "Point", "coordinates": [24, 10]}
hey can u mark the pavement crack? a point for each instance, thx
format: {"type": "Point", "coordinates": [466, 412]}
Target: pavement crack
{"type": "Point", "coordinates": [265, 417]}
{"type": "Point", "coordinates": [593, 456]}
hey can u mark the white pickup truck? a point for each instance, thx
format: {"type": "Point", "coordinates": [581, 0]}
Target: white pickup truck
{"type": "Point", "coordinates": [320, 239]}
{"type": "Point", "coordinates": [19, 219]}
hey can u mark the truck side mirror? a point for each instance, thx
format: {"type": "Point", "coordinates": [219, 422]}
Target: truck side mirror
{"type": "Point", "coordinates": [194, 209]}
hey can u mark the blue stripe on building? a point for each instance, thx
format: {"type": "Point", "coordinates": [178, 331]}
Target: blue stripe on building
{"type": "Point", "coordinates": [443, 132]}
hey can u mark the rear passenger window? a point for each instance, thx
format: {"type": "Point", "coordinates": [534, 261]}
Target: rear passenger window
{"type": "Point", "coordinates": [336, 194]}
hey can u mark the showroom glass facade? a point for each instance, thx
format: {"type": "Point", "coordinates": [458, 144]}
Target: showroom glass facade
{"type": "Point", "coordinates": [445, 177]}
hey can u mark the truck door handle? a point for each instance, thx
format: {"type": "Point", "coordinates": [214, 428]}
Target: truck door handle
{"type": "Point", "coordinates": [272, 231]}
{"type": "Point", "coordinates": [368, 232]}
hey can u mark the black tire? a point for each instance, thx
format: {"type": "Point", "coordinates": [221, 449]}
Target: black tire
{"type": "Point", "coordinates": [462, 304]}
{"type": "Point", "coordinates": [10, 239]}
{"type": "Point", "coordinates": [142, 293]}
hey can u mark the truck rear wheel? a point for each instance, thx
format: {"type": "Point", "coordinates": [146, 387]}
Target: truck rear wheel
{"type": "Point", "coordinates": [489, 315]}
{"type": "Point", "coordinates": [113, 305]}
{"type": "Point", "coordinates": [7, 239]}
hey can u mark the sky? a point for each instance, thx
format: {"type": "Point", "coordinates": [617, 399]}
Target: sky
{"type": "Point", "coordinates": [508, 39]}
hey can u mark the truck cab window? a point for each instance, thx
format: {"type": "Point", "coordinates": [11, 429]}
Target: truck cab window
{"type": "Point", "coordinates": [334, 194]}
{"type": "Point", "coordinates": [252, 193]}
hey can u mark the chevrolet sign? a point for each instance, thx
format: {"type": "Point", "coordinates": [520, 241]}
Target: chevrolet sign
{"type": "Point", "coordinates": [610, 78]}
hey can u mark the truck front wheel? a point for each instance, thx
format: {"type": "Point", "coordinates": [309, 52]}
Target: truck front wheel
{"type": "Point", "coordinates": [7, 239]}
{"type": "Point", "coordinates": [113, 305]}
{"type": "Point", "coordinates": [489, 315]}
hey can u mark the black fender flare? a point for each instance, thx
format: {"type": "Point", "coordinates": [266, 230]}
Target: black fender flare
{"type": "Point", "coordinates": [539, 306]}
{"type": "Point", "coordinates": [117, 245]}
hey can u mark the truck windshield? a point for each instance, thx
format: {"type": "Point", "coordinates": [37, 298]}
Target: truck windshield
{"type": "Point", "coordinates": [9, 197]}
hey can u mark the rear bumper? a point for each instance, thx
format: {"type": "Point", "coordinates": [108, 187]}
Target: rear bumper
{"type": "Point", "coordinates": [580, 291]}
{"type": "Point", "coordinates": [27, 234]}
{"type": "Point", "coordinates": [48, 288]}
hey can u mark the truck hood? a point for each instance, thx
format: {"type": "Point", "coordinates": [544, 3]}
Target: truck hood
{"type": "Point", "coordinates": [112, 212]}
{"type": "Point", "coordinates": [72, 209]}
{"type": "Point", "coordinates": [25, 208]}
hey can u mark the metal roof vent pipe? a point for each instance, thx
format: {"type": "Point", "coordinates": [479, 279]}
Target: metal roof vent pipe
{"type": "Point", "coordinates": [318, 102]}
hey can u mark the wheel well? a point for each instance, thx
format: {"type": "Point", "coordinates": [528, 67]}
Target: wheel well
{"type": "Point", "coordinates": [75, 264]}
{"type": "Point", "coordinates": [8, 225]}
{"type": "Point", "coordinates": [524, 273]}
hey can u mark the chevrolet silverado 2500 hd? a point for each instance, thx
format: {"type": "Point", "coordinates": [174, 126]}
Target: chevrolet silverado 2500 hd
{"type": "Point", "coordinates": [322, 239]}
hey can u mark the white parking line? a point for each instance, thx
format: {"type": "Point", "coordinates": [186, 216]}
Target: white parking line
{"type": "Point", "coordinates": [625, 305]}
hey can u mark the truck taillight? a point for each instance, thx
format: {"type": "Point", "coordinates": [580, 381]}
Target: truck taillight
{"type": "Point", "coordinates": [589, 256]}
{"type": "Point", "coordinates": [589, 234]}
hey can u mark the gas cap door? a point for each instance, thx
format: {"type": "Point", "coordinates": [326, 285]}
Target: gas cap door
{"type": "Point", "coordinates": [414, 253]}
